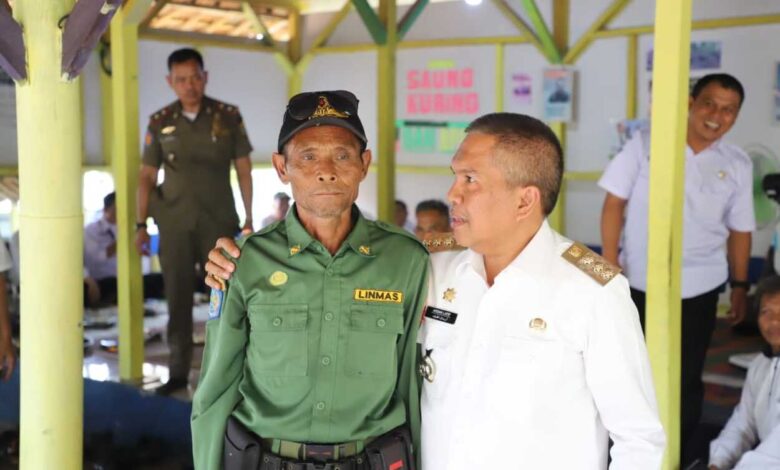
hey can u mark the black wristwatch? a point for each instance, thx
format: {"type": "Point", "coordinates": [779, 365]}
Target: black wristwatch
{"type": "Point", "coordinates": [140, 225]}
{"type": "Point", "coordinates": [737, 284]}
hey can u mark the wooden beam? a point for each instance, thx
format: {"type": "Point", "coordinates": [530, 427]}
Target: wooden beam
{"type": "Point", "coordinates": [542, 32]}
{"type": "Point", "coordinates": [410, 17]}
{"type": "Point", "coordinates": [601, 22]}
{"type": "Point", "coordinates": [373, 23]}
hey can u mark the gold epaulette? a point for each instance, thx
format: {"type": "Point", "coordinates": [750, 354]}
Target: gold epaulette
{"type": "Point", "coordinates": [601, 270]}
{"type": "Point", "coordinates": [442, 242]}
{"type": "Point", "coordinates": [161, 114]}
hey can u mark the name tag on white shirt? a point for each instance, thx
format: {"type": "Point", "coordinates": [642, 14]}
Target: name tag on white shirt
{"type": "Point", "coordinates": [441, 315]}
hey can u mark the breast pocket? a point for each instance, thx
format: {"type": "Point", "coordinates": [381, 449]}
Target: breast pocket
{"type": "Point", "coordinates": [278, 340]}
{"type": "Point", "coordinates": [171, 149]}
{"type": "Point", "coordinates": [372, 342]}
{"type": "Point", "coordinates": [709, 207]}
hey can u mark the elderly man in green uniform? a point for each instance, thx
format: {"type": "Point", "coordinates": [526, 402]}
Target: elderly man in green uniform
{"type": "Point", "coordinates": [310, 353]}
{"type": "Point", "coordinates": [195, 139]}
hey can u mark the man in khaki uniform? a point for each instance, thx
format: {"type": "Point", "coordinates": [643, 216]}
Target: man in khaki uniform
{"type": "Point", "coordinates": [194, 139]}
{"type": "Point", "coordinates": [310, 353]}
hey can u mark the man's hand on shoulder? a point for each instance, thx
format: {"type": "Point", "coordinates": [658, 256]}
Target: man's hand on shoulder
{"type": "Point", "coordinates": [218, 265]}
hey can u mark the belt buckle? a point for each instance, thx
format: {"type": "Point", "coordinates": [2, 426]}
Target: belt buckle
{"type": "Point", "coordinates": [318, 452]}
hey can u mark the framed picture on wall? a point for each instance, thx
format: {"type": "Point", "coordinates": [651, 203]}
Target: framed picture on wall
{"type": "Point", "coordinates": [558, 92]}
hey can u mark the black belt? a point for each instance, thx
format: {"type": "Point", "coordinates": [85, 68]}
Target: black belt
{"type": "Point", "coordinates": [245, 451]}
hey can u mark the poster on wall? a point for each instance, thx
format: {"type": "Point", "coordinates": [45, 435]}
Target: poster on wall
{"type": "Point", "coordinates": [439, 100]}
{"type": "Point", "coordinates": [558, 92]}
{"type": "Point", "coordinates": [521, 89]}
{"type": "Point", "coordinates": [777, 93]}
{"type": "Point", "coordinates": [704, 55]}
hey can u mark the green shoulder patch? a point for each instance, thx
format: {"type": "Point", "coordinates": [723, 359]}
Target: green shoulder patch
{"type": "Point", "coordinates": [589, 262]}
{"type": "Point", "coordinates": [217, 301]}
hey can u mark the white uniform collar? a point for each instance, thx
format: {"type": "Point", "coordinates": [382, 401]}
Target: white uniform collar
{"type": "Point", "coordinates": [714, 147]}
{"type": "Point", "coordinates": [533, 260]}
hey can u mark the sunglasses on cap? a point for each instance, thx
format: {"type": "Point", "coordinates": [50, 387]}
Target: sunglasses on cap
{"type": "Point", "coordinates": [342, 104]}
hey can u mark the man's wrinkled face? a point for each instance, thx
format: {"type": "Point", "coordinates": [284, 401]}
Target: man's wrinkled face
{"type": "Point", "coordinates": [430, 222]}
{"type": "Point", "coordinates": [482, 204]}
{"type": "Point", "coordinates": [712, 113]}
{"type": "Point", "coordinates": [769, 321]}
{"type": "Point", "coordinates": [324, 166]}
{"type": "Point", "coordinates": [188, 81]}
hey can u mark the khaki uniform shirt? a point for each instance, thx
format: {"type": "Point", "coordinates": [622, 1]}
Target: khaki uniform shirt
{"type": "Point", "coordinates": [196, 156]}
{"type": "Point", "coordinates": [309, 347]}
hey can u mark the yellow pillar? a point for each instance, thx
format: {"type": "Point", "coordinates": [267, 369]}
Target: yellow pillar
{"type": "Point", "coordinates": [107, 112]}
{"type": "Point", "coordinates": [50, 150]}
{"type": "Point", "coordinates": [667, 166]}
{"type": "Point", "coordinates": [561, 38]}
{"type": "Point", "coordinates": [386, 113]}
{"type": "Point", "coordinates": [124, 62]}
{"type": "Point", "coordinates": [631, 81]}
{"type": "Point", "coordinates": [295, 54]}
{"type": "Point", "coordinates": [500, 73]}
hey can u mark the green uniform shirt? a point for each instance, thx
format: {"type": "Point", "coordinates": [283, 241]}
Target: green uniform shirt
{"type": "Point", "coordinates": [196, 156]}
{"type": "Point", "coordinates": [310, 347]}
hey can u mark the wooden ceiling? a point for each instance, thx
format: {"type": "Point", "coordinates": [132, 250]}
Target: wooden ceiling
{"type": "Point", "coordinates": [220, 18]}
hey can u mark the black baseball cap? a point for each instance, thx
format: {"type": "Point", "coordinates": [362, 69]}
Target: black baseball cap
{"type": "Point", "coordinates": [321, 108]}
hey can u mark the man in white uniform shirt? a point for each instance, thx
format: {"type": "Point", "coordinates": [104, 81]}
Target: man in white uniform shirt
{"type": "Point", "coordinates": [100, 258]}
{"type": "Point", "coordinates": [717, 223]}
{"type": "Point", "coordinates": [533, 353]}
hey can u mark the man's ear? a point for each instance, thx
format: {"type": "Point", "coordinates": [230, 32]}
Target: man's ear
{"type": "Point", "coordinates": [279, 162]}
{"type": "Point", "coordinates": [169, 80]}
{"type": "Point", "coordinates": [366, 158]}
{"type": "Point", "coordinates": [528, 200]}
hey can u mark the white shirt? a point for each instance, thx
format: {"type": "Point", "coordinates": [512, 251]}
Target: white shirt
{"type": "Point", "coordinates": [718, 198]}
{"type": "Point", "coordinates": [98, 236]}
{"type": "Point", "coordinates": [756, 419]}
{"type": "Point", "coordinates": [508, 396]}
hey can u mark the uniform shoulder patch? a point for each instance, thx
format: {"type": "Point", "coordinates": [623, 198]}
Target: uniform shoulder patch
{"type": "Point", "coordinates": [216, 301]}
{"type": "Point", "coordinates": [598, 268]}
{"type": "Point", "coordinates": [156, 119]}
{"type": "Point", "coordinates": [441, 242]}
{"type": "Point", "coordinates": [229, 109]}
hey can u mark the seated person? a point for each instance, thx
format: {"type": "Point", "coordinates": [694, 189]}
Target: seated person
{"type": "Point", "coordinates": [433, 217]}
{"type": "Point", "coordinates": [281, 206]}
{"type": "Point", "coordinates": [751, 438]}
{"type": "Point", "coordinates": [100, 260]}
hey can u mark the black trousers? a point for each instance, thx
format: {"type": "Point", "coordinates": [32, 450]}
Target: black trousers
{"type": "Point", "coordinates": [153, 289]}
{"type": "Point", "coordinates": [698, 323]}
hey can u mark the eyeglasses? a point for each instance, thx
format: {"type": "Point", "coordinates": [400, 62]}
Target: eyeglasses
{"type": "Point", "coordinates": [305, 105]}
